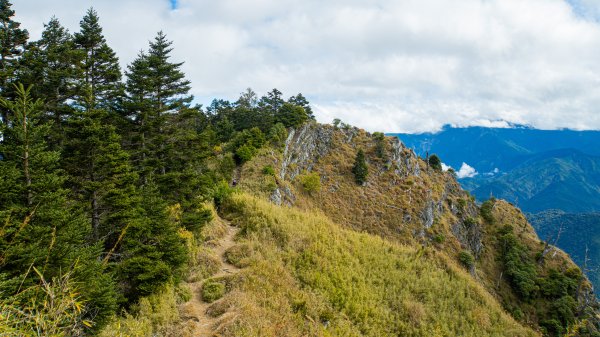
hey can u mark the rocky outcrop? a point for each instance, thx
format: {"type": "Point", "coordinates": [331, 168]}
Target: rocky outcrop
{"type": "Point", "coordinates": [405, 160]}
{"type": "Point", "coordinates": [304, 147]}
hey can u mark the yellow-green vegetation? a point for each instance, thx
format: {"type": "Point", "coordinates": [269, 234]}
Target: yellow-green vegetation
{"type": "Point", "coordinates": [153, 315]}
{"type": "Point", "coordinates": [311, 182]}
{"type": "Point", "coordinates": [212, 290]}
{"type": "Point", "coordinates": [310, 277]}
{"type": "Point", "coordinates": [55, 309]}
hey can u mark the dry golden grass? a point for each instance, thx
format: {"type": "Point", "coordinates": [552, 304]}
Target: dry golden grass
{"type": "Point", "coordinates": [310, 277]}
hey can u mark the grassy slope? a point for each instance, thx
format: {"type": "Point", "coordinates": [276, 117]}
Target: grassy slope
{"type": "Point", "coordinates": [383, 206]}
{"type": "Point", "coordinates": [309, 276]}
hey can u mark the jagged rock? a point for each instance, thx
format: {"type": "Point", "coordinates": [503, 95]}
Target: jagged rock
{"type": "Point", "coordinates": [304, 147]}
{"type": "Point", "coordinates": [283, 196]}
{"type": "Point", "coordinates": [405, 160]}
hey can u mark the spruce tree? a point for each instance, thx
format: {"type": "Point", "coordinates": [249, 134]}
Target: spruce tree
{"type": "Point", "coordinates": [100, 173]}
{"type": "Point", "coordinates": [101, 80]}
{"type": "Point", "coordinates": [150, 251]}
{"type": "Point", "coordinates": [41, 227]}
{"type": "Point", "coordinates": [50, 64]}
{"type": "Point", "coordinates": [360, 168]}
{"type": "Point", "coordinates": [12, 44]}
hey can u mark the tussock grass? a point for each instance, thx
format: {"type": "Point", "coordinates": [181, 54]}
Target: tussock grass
{"type": "Point", "coordinates": [155, 315]}
{"type": "Point", "coordinates": [310, 277]}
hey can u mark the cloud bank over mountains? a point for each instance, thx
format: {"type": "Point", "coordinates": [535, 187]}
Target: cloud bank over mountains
{"type": "Point", "coordinates": [385, 65]}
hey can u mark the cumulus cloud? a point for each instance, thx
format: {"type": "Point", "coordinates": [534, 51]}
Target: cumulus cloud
{"type": "Point", "coordinates": [466, 171]}
{"type": "Point", "coordinates": [393, 66]}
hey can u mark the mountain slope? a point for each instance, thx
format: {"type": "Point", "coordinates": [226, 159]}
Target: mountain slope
{"type": "Point", "coordinates": [578, 232]}
{"type": "Point", "coordinates": [502, 148]}
{"type": "Point", "coordinates": [408, 202]}
{"type": "Point", "coordinates": [562, 179]}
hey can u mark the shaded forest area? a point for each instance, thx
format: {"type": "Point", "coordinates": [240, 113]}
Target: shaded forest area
{"type": "Point", "coordinates": [103, 173]}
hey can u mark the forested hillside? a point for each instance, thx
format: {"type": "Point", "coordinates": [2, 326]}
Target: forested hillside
{"type": "Point", "coordinates": [103, 172]}
{"type": "Point", "coordinates": [126, 210]}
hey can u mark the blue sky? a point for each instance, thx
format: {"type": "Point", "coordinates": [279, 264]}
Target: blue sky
{"type": "Point", "coordinates": [385, 65]}
{"type": "Point", "coordinates": [173, 4]}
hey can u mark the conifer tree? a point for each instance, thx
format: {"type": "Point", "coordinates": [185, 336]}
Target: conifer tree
{"type": "Point", "coordinates": [360, 168]}
{"type": "Point", "coordinates": [100, 173]}
{"type": "Point", "coordinates": [41, 228]}
{"type": "Point", "coordinates": [12, 44]}
{"type": "Point", "coordinates": [151, 253]}
{"type": "Point", "coordinates": [132, 226]}
{"type": "Point", "coordinates": [100, 67]}
{"type": "Point", "coordinates": [50, 64]}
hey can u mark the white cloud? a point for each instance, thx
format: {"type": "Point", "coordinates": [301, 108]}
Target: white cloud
{"type": "Point", "coordinates": [384, 65]}
{"type": "Point", "coordinates": [445, 167]}
{"type": "Point", "coordinates": [466, 171]}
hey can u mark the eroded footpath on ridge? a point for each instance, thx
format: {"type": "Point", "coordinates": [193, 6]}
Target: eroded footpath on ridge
{"type": "Point", "coordinates": [196, 316]}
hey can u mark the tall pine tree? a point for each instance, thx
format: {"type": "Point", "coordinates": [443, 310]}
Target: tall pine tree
{"type": "Point", "coordinates": [51, 64]}
{"type": "Point", "coordinates": [12, 44]}
{"type": "Point", "coordinates": [165, 142]}
{"type": "Point", "coordinates": [101, 79]}
{"type": "Point", "coordinates": [41, 228]}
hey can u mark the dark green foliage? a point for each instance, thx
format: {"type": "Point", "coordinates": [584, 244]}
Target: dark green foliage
{"type": "Point", "coordinates": [435, 163]}
{"type": "Point", "coordinates": [278, 135]}
{"type": "Point", "coordinates": [100, 86]}
{"type": "Point", "coordinates": [41, 227]}
{"type": "Point", "coordinates": [12, 45]}
{"type": "Point", "coordinates": [151, 252]}
{"type": "Point", "coordinates": [49, 64]}
{"type": "Point", "coordinates": [519, 267]}
{"type": "Point", "coordinates": [301, 101]}
{"type": "Point", "coordinates": [360, 168]}
{"type": "Point", "coordinates": [244, 153]}
{"type": "Point", "coordinates": [220, 193]}
{"type": "Point", "coordinates": [268, 170]}
{"type": "Point", "coordinates": [486, 211]}
{"type": "Point", "coordinates": [291, 115]}
{"type": "Point", "coordinates": [466, 259]}
{"type": "Point", "coordinates": [100, 174]}
{"type": "Point", "coordinates": [226, 166]}
{"type": "Point", "coordinates": [380, 145]}
{"type": "Point", "coordinates": [558, 284]}
{"type": "Point", "coordinates": [245, 144]}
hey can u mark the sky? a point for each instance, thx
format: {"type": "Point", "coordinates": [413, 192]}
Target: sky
{"type": "Point", "coordinates": [382, 65]}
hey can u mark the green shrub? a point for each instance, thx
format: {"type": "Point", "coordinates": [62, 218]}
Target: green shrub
{"type": "Point", "coordinates": [439, 238]}
{"type": "Point", "coordinates": [519, 268]}
{"type": "Point", "coordinates": [212, 291]}
{"type": "Point", "coordinates": [278, 134]}
{"type": "Point", "coordinates": [227, 166]}
{"type": "Point", "coordinates": [486, 211]}
{"type": "Point", "coordinates": [291, 115]}
{"type": "Point", "coordinates": [435, 163]}
{"type": "Point", "coordinates": [360, 168]}
{"type": "Point", "coordinates": [380, 145]}
{"type": "Point", "coordinates": [244, 153]}
{"type": "Point", "coordinates": [311, 182]}
{"type": "Point", "coordinates": [466, 259]}
{"type": "Point", "coordinates": [268, 170]}
{"type": "Point", "coordinates": [221, 192]}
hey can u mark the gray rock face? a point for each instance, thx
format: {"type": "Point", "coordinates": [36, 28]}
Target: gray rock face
{"type": "Point", "coordinates": [304, 147]}
{"type": "Point", "coordinates": [283, 196]}
{"type": "Point", "coordinates": [469, 234]}
{"type": "Point", "coordinates": [405, 160]}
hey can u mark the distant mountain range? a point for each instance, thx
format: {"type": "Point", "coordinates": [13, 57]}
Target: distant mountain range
{"type": "Point", "coordinates": [554, 176]}
{"type": "Point", "coordinates": [580, 232]}
{"type": "Point", "coordinates": [535, 169]}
